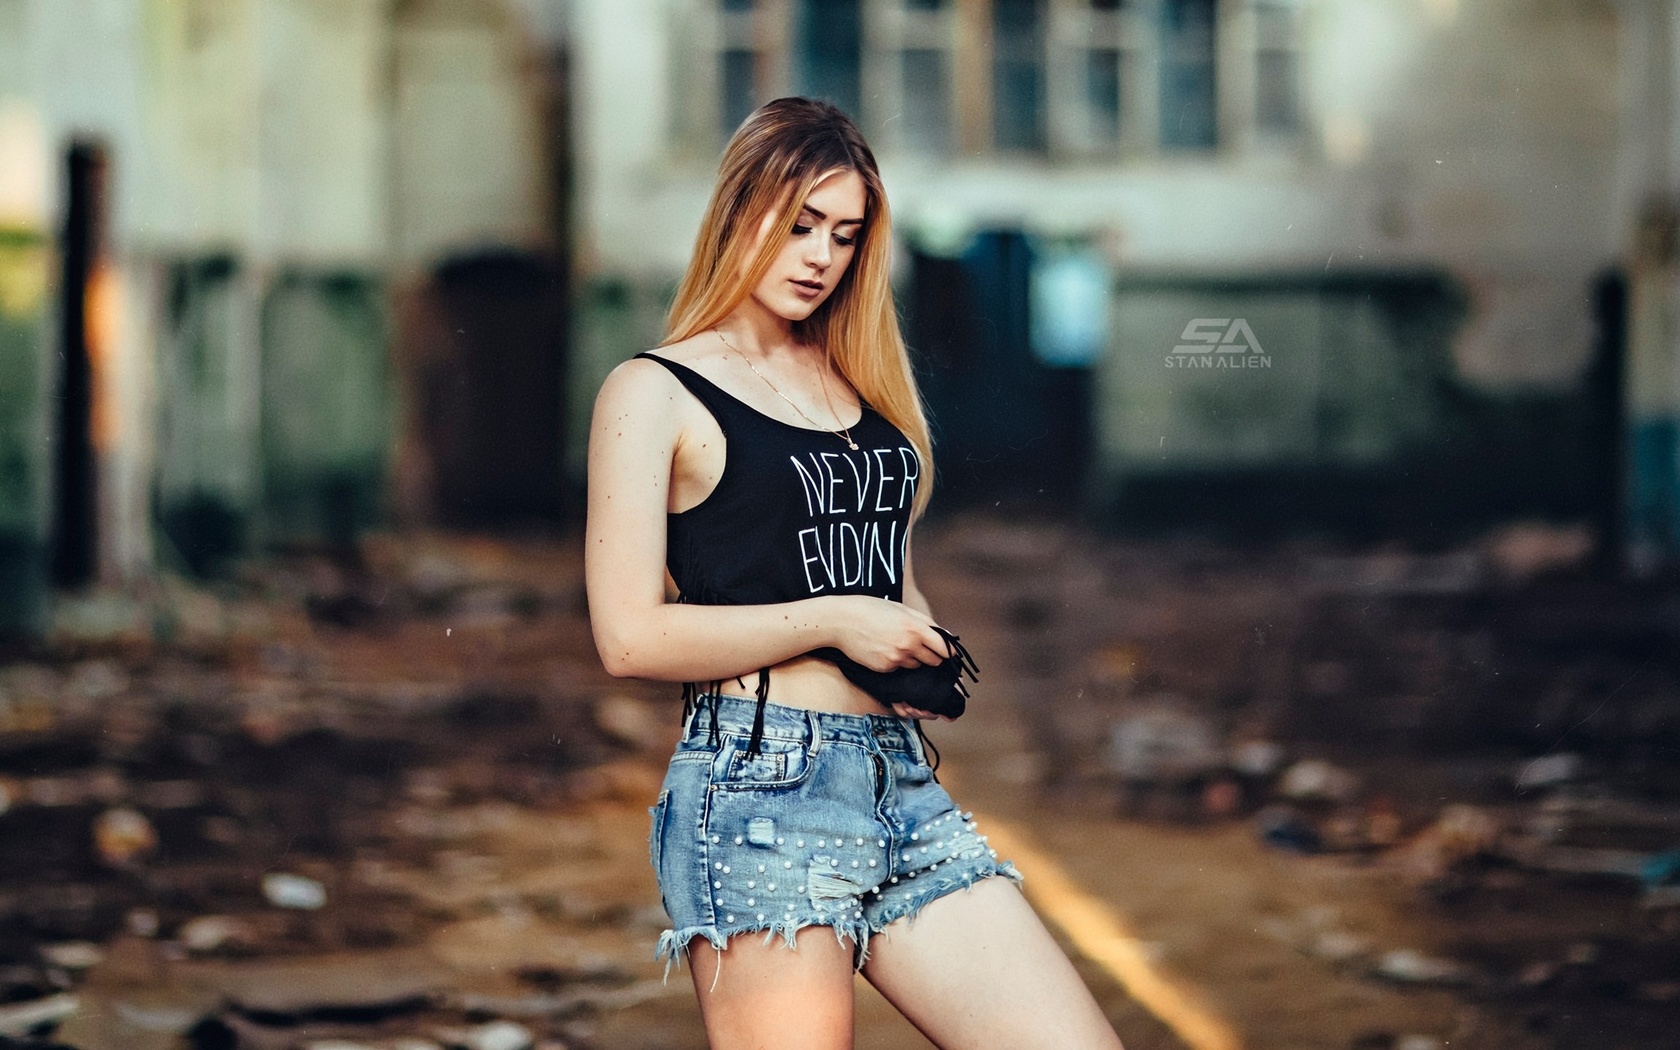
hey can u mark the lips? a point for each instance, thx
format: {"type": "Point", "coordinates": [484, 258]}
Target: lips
{"type": "Point", "coordinates": [814, 286]}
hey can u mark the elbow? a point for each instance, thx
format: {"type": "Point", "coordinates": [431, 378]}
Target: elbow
{"type": "Point", "coordinates": [619, 655]}
{"type": "Point", "coordinates": [621, 665]}
{"type": "Point", "coordinates": [619, 661]}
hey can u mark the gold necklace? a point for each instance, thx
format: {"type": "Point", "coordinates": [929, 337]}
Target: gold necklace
{"type": "Point", "coordinates": [844, 433]}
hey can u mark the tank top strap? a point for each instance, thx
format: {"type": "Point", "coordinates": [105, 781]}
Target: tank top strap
{"type": "Point", "coordinates": [724, 406]}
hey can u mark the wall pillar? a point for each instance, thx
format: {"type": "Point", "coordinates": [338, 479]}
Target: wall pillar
{"type": "Point", "coordinates": [1650, 188]}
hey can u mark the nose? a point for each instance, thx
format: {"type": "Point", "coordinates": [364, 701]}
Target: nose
{"type": "Point", "coordinates": [818, 254]}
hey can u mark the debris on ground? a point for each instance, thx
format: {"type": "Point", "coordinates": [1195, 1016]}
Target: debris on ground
{"type": "Point", "coordinates": [1409, 966]}
{"type": "Point", "coordinates": [322, 759]}
{"type": "Point", "coordinates": [293, 891]}
{"type": "Point", "coordinates": [297, 784]}
{"type": "Point", "coordinates": [1496, 725]}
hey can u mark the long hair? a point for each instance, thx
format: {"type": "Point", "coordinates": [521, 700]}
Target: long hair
{"type": "Point", "coordinates": [771, 163]}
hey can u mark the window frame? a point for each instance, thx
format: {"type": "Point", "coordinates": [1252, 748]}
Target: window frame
{"type": "Point", "coordinates": [961, 30]}
{"type": "Point", "coordinates": [1076, 30]}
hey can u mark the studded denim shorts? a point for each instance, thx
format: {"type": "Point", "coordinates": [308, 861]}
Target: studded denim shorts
{"type": "Point", "coordinates": [836, 821]}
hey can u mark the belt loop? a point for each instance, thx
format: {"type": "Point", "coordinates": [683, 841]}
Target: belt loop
{"type": "Point", "coordinates": [816, 731]}
{"type": "Point", "coordinates": [915, 739]}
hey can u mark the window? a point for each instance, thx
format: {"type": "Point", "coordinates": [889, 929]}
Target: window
{"type": "Point", "coordinates": [1102, 96]}
{"type": "Point", "coordinates": [744, 52]}
{"type": "Point", "coordinates": [1100, 61]}
{"type": "Point", "coordinates": [1018, 75]}
{"type": "Point", "coordinates": [927, 110]}
{"type": "Point", "coordinates": [830, 51]}
{"type": "Point", "coordinates": [1069, 79]}
{"type": "Point", "coordinates": [740, 72]}
{"type": "Point", "coordinates": [741, 68]}
{"type": "Point", "coordinates": [911, 71]}
{"type": "Point", "coordinates": [1277, 68]}
{"type": "Point", "coordinates": [1189, 96]}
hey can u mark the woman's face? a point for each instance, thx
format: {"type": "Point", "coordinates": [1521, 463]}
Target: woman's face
{"type": "Point", "coordinates": [816, 250]}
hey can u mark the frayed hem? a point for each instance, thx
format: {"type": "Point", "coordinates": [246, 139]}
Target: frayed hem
{"type": "Point", "coordinates": [673, 944]}
{"type": "Point", "coordinates": [1004, 869]}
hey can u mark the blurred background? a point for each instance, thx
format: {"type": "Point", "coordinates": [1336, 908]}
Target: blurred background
{"type": "Point", "coordinates": [1305, 378]}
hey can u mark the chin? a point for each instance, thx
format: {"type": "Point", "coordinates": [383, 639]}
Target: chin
{"type": "Point", "coordinates": [794, 309]}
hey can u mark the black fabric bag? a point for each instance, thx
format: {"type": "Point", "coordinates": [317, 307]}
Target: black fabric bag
{"type": "Point", "coordinates": [935, 688]}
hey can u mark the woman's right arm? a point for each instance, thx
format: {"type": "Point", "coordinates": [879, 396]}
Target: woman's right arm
{"type": "Point", "coordinates": [634, 439]}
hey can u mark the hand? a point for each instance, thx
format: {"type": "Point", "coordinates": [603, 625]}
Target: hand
{"type": "Point", "coordinates": [883, 635]}
{"type": "Point", "coordinates": [906, 711]}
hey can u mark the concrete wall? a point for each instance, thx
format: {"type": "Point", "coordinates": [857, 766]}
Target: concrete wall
{"type": "Point", "coordinates": [276, 167]}
{"type": "Point", "coordinates": [1478, 141]}
{"type": "Point", "coordinates": [1649, 183]}
{"type": "Point", "coordinates": [208, 417]}
{"type": "Point", "coordinates": [324, 451]}
{"type": "Point", "coordinates": [1330, 383]}
{"type": "Point", "coordinates": [1484, 140]}
{"type": "Point", "coordinates": [25, 295]}
{"type": "Point", "coordinates": [470, 167]}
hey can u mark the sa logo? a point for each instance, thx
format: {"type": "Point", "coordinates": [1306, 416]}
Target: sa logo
{"type": "Point", "coordinates": [1221, 335]}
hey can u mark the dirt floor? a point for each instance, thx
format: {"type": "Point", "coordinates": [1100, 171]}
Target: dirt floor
{"type": "Point", "coordinates": [1328, 798]}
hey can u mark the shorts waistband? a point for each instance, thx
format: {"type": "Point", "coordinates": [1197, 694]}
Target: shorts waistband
{"type": "Point", "coordinates": [734, 714]}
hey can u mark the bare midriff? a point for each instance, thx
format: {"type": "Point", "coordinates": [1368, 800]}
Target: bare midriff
{"type": "Point", "coordinates": [810, 683]}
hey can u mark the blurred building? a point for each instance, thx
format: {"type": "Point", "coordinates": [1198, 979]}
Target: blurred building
{"type": "Point", "coordinates": [1265, 264]}
{"type": "Point", "coordinates": [272, 270]}
{"type": "Point", "coordinates": [257, 259]}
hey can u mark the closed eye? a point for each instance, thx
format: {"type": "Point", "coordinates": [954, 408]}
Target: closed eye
{"type": "Point", "coordinates": [845, 242]}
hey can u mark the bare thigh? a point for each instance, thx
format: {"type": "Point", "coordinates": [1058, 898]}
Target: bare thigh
{"type": "Point", "coordinates": [758, 996]}
{"type": "Point", "coordinates": [976, 968]}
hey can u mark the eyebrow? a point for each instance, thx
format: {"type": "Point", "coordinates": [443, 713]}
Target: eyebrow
{"type": "Point", "coordinates": [843, 222]}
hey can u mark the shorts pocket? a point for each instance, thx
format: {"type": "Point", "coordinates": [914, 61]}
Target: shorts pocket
{"type": "Point", "coordinates": [777, 764]}
{"type": "Point", "coordinates": [908, 771]}
{"type": "Point", "coordinates": [656, 833]}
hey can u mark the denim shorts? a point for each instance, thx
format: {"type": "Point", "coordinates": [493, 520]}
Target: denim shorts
{"type": "Point", "coordinates": [837, 821]}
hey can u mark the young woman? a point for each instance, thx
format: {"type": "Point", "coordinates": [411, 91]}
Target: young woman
{"type": "Point", "coordinates": [751, 491]}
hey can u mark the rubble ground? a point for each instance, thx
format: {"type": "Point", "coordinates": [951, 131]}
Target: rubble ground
{"type": "Point", "coordinates": [388, 798]}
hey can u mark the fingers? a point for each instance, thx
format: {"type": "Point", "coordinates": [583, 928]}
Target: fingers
{"type": "Point", "coordinates": [918, 655]}
{"type": "Point", "coordinates": [906, 711]}
{"type": "Point", "coordinates": [933, 649]}
{"type": "Point", "coordinates": [923, 644]}
{"type": "Point", "coordinates": [891, 635]}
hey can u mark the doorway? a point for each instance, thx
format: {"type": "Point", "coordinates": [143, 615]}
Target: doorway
{"type": "Point", "coordinates": [74, 536]}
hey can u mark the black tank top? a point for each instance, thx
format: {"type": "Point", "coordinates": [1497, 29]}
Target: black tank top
{"type": "Point", "coordinates": [796, 513]}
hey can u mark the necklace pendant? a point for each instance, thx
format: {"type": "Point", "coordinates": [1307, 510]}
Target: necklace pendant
{"type": "Point", "coordinates": [853, 445]}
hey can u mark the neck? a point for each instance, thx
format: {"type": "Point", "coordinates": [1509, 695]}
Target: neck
{"type": "Point", "coordinates": [756, 331]}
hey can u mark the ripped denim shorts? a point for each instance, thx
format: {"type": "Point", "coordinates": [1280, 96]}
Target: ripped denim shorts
{"type": "Point", "coordinates": [837, 821]}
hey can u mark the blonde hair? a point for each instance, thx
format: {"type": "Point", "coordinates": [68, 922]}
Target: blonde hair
{"type": "Point", "coordinates": [769, 167]}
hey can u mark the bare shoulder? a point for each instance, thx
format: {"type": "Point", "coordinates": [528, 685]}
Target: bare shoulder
{"type": "Point", "coordinates": [646, 395]}
{"type": "Point", "coordinates": [702, 352]}
{"type": "Point", "coordinates": [638, 382]}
